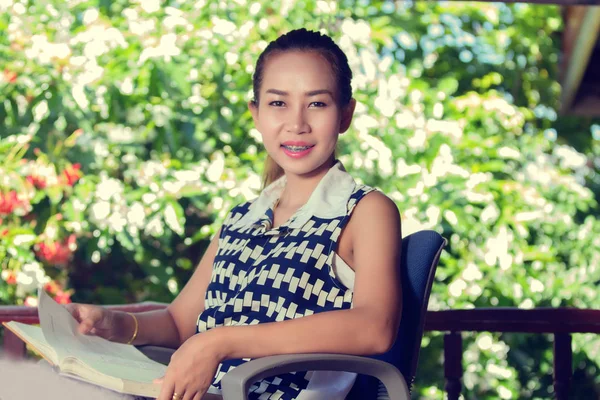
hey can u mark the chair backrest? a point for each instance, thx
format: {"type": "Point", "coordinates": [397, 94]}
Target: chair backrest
{"type": "Point", "coordinates": [419, 258]}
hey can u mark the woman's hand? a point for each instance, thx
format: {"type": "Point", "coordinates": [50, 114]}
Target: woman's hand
{"type": "Point", "coordinates": [192, 368]}
{"type": "Point", "coordinates": [95, 320]}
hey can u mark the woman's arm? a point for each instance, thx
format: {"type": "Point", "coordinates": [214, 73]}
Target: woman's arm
{"type": "Point", "coordinates": [172, 326]}
{"type": "Point", "coordinates": [369, 327]}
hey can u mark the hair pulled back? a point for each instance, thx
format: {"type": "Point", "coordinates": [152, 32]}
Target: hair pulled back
{"type": "Point", "coordinates": [309, 41]}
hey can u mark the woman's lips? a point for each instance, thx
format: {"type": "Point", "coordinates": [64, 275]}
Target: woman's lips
{"type": "Point", "coordinates": [297, 149]}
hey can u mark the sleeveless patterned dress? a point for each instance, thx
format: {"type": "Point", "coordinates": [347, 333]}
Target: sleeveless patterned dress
{"type": "Point", "coordinates": [265, 274]}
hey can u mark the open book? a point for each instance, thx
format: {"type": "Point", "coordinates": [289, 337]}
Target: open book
{"type": "Point", "coordinates": [115, 366]}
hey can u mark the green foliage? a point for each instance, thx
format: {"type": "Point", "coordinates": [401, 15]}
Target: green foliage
{"type": "Point", "coordinates": [125, 137]}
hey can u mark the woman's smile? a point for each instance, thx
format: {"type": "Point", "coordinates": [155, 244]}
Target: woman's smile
{"type": "Point", "coordinates": [296, 149]}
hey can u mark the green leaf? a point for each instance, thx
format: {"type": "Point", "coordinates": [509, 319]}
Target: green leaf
{"type": "Point", "coordinates": [55, 194]}
{"type": "Point", "coordinates": [448, 85]}
{"type": "Point", "coordinates": [126, 240]}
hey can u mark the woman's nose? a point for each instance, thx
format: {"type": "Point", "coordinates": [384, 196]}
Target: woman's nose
{"type": "Point", "coordinates": [297, 122]}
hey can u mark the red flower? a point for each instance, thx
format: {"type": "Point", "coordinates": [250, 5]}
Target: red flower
{"type": "Point", "coordinates": [72, 174]}
{"type": "Point", "coordinates": [62, 297]}
{"type": "Point", "coordinates": [37, 181]}
{"type": "Point", "coordinates": [51, 287]}
{"type": "Point", "coordinates": [10, 76]}
{"type": "Point", "coordinates": [9, 277]}
{"type": "Point", "coordinates": [12, 279]}
{"type": "Point", "coordinates": [8, 202]}
{"type": "Point", "coordinates": [57, 253]}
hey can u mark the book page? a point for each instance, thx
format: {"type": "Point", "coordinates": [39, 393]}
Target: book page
{"type": "Point", "coordinates": [34, 337]}
{"type": "Point", "coordinates": [113, 359]}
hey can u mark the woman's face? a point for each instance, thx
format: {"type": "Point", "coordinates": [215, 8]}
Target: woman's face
{"type": "Point", "coordinates": [298, 114]}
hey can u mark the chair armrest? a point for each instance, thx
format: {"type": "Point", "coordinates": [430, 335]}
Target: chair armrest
{"type": "Point", "coordinates": [236, 383]}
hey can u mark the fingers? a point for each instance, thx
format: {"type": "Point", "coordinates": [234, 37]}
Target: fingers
{"type": "Point", "coordinates": [182, 381]}
{"type": "Point", "coordinates": [190, 395]}
{"type": "Point", "coordinates": [167, 389]}
{"type": "Point", "coordinates": [170, 391]}
{"type": "Point", "coordinates": [181, 395]}
{"type": "Point", "coordinates": [73, 309]}
{"type": "Point", "coordinates": [86, 326]}
{"type": "Point", "coordinates": [81, 315]}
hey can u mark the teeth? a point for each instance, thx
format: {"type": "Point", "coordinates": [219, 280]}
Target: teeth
{"type": "Point", "coordinates": [297, 148]}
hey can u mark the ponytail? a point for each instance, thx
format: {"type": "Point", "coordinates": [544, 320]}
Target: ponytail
{"type": "Point", "coordinates": [272, 171]}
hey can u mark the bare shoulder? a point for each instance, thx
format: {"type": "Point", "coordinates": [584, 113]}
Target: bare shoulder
{"type": "Point", "coordinates": [376, 206]}
{"type": "Point", "coordinates": [374, 224]}
{"type": "Point", "coordinates": [373, 234]}
{"type": "Point", "coordinates": [376, 216]}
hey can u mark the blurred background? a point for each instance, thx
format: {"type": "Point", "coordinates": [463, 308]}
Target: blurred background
{"type": "Point", "coordinates": [125, 139]}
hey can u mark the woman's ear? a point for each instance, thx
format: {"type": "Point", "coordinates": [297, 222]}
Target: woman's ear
{"type": "Point", "coordinates": [253, 107]}
{"type": "Point", "coordinates": [347, 114]}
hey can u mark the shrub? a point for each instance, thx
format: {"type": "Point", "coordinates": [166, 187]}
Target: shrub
{"type": "Point", "coordinates": [125, 139]}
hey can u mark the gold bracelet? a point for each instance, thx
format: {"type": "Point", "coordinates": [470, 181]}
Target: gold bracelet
{"type": "Point", "coordinates": [135, 330]}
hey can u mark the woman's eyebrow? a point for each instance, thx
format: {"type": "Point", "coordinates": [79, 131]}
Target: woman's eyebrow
{"type": "Point", "coordinates": [318, 92]}
{"type": "Point", "coordinates": [309, 94]}
{"type": "Point", "coordinates": [277, 92]}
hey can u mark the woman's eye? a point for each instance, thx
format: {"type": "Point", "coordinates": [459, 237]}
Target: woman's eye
{"type": "Point", "coordinates": [318, 104]}
{"type": "Point", "coordinates": [276, 103]}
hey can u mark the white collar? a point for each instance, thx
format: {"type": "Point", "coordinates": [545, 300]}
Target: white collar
{"type": "Point", "coordinates": [329, 199]}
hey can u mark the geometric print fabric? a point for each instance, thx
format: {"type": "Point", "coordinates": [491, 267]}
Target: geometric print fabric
{"type": "Point", "coordinates": [264, 274]}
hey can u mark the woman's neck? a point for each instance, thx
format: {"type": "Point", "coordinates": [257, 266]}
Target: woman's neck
{"type": "Point", "coordinates": [298, 188]}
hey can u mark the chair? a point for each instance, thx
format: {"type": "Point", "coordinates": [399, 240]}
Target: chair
{"type": "Point", "coordinates": [419, 258]}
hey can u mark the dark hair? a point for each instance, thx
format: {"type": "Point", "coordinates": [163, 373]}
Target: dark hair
{"type": "Point", "coordinates": [309, 41]}
{"type": "Point", "coordinates": [304, 40]}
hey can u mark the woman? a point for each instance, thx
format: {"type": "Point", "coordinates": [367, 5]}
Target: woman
{"type": "Point", "coordinates": [309, 266]}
